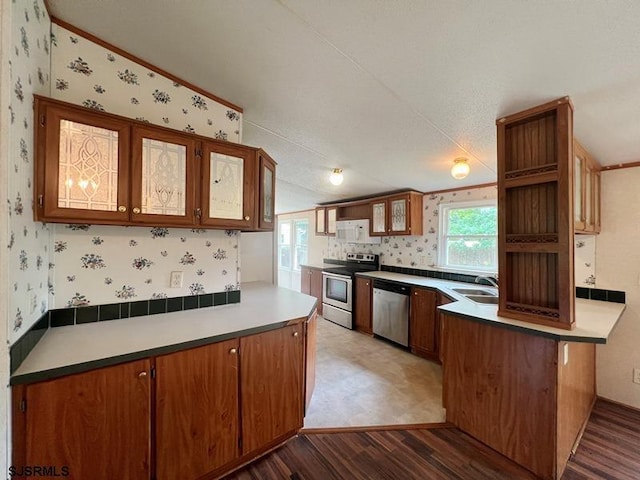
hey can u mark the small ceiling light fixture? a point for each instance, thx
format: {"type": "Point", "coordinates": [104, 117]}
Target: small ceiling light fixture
{"type": "Point", "coordinates": [460, 168]}
{"type": "Point", "coordinates": [336, 176]}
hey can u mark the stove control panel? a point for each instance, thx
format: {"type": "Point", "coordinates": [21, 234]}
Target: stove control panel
{"type": "Point", "coordinates": [362, 257]}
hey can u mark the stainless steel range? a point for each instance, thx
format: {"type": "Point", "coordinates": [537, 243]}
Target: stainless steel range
{"type": "Point", "coordinates": [337, 288]}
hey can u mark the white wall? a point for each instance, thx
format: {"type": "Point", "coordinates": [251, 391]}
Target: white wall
{"type": "Point", "coordinates": [256, 251]}
{"type": "Point", "coordinates": [618, 268]}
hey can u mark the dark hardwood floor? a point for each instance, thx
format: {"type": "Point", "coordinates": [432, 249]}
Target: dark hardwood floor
{"type": "Point", "coordinates": [610, 446]}
{"type": "Point", "coordinates": [610, 449]}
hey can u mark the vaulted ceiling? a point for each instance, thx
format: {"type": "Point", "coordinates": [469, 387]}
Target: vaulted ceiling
{"type": "Point", "coordinates": [390, 91]}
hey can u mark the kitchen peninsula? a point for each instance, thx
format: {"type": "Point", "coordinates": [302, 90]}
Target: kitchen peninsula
{"type": "Point", "coordinates": [526, 390]}
{"type": "Point", "coordinates": [195, 392]}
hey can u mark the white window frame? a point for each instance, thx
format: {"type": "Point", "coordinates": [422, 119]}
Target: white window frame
{"type": "Point", "coordinates": [444, 226]}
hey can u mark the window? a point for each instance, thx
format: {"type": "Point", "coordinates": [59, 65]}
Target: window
{"type": "Point", "coordinates": [293, 250]}
{"type": "Point", "coordinates": [468, 237]}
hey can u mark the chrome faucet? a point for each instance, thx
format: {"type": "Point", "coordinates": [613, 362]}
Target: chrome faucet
{"type": "Point", "coordinates": [492, 280]}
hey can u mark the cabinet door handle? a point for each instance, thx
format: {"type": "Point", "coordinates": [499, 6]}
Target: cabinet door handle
{"type": "Point", "coordinates": [136, 210]}
{"type": "Point", "coordinates": [198, 212]}
{"type": "Point", "coordinates": [233, 351]}
{"type": "Point", "coordinates": [295, 334]}
{"type": "Point", "coordinates": [122, 209]}
{"type": "Point", "coordinates": [247, 218]}
{"type": "Point", "coordinates": [142, 374]}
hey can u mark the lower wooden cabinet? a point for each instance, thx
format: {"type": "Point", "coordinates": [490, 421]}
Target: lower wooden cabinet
{"type": "Point", "coordinates": [97, 424]}
{"type": "Point", "coordinates": [197, 416]}
{"type": "Point", "coordinates": [440, 324]}
{"type": "Point", "coordinates": [423, 323]}
{"type": "Point", "coordinates": [311, 338]}
{"type": "Point", "coordinates": [211, 408]}
{"type": "Point", "coordinates": [362, 313]}
{"type": "Point", "coordinates": [311, 284]}
{"type": "Point", "coordinates": [271, 375]}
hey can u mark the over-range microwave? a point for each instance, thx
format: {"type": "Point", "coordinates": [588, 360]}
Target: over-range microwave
{"type": "Point", "coordinates": [355, 231]}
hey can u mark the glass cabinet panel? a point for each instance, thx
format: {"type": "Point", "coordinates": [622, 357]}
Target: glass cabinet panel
{"type": "Point", "coordinates": [379, 221]}
{"type": "Point", "coordinates": [226, 186]}
{"type": "Point", "coordinates": [267, 192]}
{"type": "Point", "coordinates": [164, 178]}
{"type": "Point", "coordinates": [88, 167]}
{"type": "Point", "coordinates": [320, 228]}
{"type": "Point", "coordinates": [331, 221]}
{"type": "Point", "coordinates": [577, 189]}
{"type": "Point", "coordinates": [398, 215]}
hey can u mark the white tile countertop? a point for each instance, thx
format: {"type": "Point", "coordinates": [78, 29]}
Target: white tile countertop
{"type": "Point", "coordinates": [595, 320]}
{"type": "Point", "coordinates": [76, 348]}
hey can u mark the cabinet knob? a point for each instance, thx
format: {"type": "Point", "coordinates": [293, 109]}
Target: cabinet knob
{"type": "Point", "coordinates": [198, 212]}
{"type": "Point", "coordinates": [142, 374]}
{"type": "Point", "coordinates": [233, 351]}
{"type": "Point", "coordinates": [367, 284]}
{"type": "Point", "coordinates": [247, 218]}
{"type": "Point", "coordinates": [136, 210]}
{"type": "Point", "coordinates": [122, 209]}
{"type": "Point", "coordinates": [295, 334]}
{"type": "Point", "coordinates": [415, 293]}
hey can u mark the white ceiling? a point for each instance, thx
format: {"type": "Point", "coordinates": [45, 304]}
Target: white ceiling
{"type": "Point", "coordinates": [390, 91]}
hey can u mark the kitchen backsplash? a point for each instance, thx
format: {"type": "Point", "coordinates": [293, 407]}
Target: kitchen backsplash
{"type": "Point", "coordinates": [404, 251]}
{"type": "Point", "coordinates": [585, 260]}
{"type": "Point", "coordinates": [28, 242]}
{"type": "Point", "coordinates": [106, 264]}
{"type": "Point", "coordinates": [85, 73]}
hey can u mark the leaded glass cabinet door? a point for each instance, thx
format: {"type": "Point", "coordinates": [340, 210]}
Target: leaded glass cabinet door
{"type": "Point", "coordinates": [163, 178]}
{"type": "Point", "coordinates": [229, 183]}
{"type": "Point", "coordinates": [82, 169]}
{"type": "Point", "coordinates": [378, 224]}
{"type": "Point", "coordinates": [398, 215]}
{"type": "Point", "coordinates": [267, 180]}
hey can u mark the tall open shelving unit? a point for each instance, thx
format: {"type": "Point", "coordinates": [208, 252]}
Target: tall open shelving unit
{"type": "Point", "coordinates": [535, 215]}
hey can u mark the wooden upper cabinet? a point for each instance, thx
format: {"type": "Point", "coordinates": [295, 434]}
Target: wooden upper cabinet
{"type": "Point", "coordinates": [586, 191]}
{"type": "Point", "coordinates": [98, 168]}
{"type": "Point", "coordinates": [535, 228]}
{"type": "Point", "coordinates": [228, 185]}
{"type": "Point", "coordinates": [271, 372]}
{"type": "Point", "coordinates": [163, 169]}
{"type": "Point", "coordinates": [396, 215]}
{"type": "Point", "coordinates": [197, 414]}
{"type": "Point", "coordinates": [82, 165]}
{"type": "Point", "coordinates": [96, 423]}
{"type": "Point", "coordinates": [267, 189]}
{"type": "Point", "coordinates": [321, 221]}
{"type": "Point", "coordinates": [332, 216]}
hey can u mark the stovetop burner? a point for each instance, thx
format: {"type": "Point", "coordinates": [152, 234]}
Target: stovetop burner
{"type": "Point", "coordinates": [356, 262]}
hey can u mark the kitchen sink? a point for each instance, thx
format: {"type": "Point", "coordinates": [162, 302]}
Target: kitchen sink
{"type": "Point", "coordinates": [473, 291]}
{"type": "Point", "coordinates": [489, 299]}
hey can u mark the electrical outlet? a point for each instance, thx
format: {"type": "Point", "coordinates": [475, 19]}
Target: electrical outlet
{"type": "Point", "coordinates": [423, 259]}
{"type": "Point", "coordinates": [175, 281]}
{"type": "Point", "coordinates": [636, 375]}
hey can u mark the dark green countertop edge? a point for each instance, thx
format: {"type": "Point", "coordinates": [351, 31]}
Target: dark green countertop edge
{"type": "Point", "coordinates": [508, 326]}
{"type": "Point", "coordinates": [53, 373]}
{"type": "Point", "coordinates": [530, 331]}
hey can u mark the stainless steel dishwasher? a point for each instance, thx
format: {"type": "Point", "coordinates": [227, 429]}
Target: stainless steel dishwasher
{"type": "Point", "coordinates": [391, 311]}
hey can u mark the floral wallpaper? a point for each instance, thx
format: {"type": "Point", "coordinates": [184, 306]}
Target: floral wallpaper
{"type": "Point", "coordinates": [408, 251]}
{"type": "Point", "coordinates": [85, 73]}
{"type": "Point", "coordinates": [108, 264]}
{"type": "Point", "coordinates": [28, 241]}
{"type": "Point", "coordinates": [103, 264]}
{"type": "Point", "coordinates": [585, 261]}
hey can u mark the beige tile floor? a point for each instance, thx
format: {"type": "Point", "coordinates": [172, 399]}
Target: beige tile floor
{"type": "Point", "coordinates": [362, 381]}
